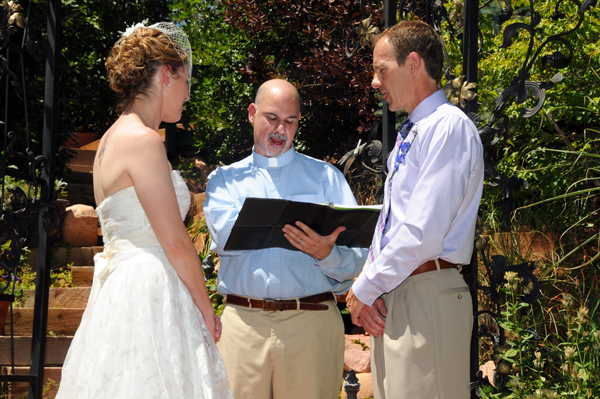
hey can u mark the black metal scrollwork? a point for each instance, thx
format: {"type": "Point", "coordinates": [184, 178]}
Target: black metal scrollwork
{"type": "Point", "coordinates": [521, 89]}
{"type": "Point", "coordinates": [10, 254]}
{"type": "Point", "coordinates": [497, 269]}
{"type": "Point", "coordinates": [496, 272]}
{"type": "Point", "coordinates": [14, 228]}
{"type": "Point", "coordinates": [27, 179]}
{"type": "Point", "coordinates": [364, 33]}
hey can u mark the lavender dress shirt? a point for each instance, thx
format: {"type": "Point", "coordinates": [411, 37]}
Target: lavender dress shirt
{"type": "Point", "coordinates": [434, 198]}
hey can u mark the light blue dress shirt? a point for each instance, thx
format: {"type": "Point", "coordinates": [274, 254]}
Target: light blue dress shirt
{"type": "Point", "coordinates": [274, 272]}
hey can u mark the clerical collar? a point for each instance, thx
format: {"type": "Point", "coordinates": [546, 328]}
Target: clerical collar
{"type": "Point", "coordinates": [266, 162]}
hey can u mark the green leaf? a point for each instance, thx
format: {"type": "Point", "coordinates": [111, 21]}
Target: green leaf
{"type": "Point", "coordinates": [511, 353]}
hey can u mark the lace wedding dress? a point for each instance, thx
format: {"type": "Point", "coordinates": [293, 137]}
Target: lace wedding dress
{"type": "Point", "coordinates": [141, 336]}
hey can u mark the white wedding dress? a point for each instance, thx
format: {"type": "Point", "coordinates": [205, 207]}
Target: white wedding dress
{"type": "Point", "coordinates": [141, 336]}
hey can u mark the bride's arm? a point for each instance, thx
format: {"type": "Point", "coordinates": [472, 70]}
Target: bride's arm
{"type": "Point", "coordinates": [149, 169]}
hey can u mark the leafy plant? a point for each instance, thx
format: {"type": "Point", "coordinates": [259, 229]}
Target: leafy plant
{"type": "Point", "coordinates": [220, 94]}
{"type": "Point", "coordinates": [199, 231]}
{"type": "Point", "coordinates": [60, 277]}
{"type": "Point", "coordinates": [364, 346]}
{"type": "Point", "coordinates": [568, 120]}
{"type": "Point", "coordinates": [564, 363]}
{"type": "Point", "coordinates": [216, 299]}
{"type": "Point", "coordinates": [17, 191]}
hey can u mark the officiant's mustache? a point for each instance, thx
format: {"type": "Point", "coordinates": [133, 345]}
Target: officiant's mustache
{"type": "Point", "coordinates": [278, 136]}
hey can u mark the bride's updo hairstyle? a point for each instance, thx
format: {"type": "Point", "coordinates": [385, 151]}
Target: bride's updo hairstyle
{"type": "Point", "coordinates": [139, 55]}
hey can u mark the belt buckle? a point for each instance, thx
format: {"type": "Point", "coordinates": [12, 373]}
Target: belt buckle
{"type": "Point", "coordinates": [267, 301]}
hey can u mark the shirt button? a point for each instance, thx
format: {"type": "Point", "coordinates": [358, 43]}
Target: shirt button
{"type": "Point", "coordinates": [371, 295]}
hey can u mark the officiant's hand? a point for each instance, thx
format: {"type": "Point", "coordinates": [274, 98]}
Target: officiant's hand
{"type": "Point", "coordinates": [310, 242]}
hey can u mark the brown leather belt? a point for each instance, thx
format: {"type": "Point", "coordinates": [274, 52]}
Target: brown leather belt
{"type": "Point", "coordinates": [429, 266]}
{"type": "Point", "coordinates": [311, 302]}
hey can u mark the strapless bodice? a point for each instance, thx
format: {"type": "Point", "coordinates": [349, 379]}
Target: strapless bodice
{"type": "Point", "coordinates": [141, 335]}
{"type": "Point", "coordinates": [121, 215]}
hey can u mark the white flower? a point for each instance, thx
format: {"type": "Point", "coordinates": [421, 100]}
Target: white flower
{"type": "Point", "coordinates": [511, 276]}
{"type": "Point", "coordinates": [582, 315]}
{"type": "Point", "coordinates": [569, 350]}
{"type": "Point", "coordinates": [545, 393]}
{"type": "Point", "coordinates": [567, 300]}
{"type": "Point", "coordinates": [130, 29]}
{"type": "Point", "coordinates": [516, 383]}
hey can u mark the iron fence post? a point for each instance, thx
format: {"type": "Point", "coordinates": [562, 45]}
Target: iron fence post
{"type": "Point", "coordinates": [351, 385]}
{"type": "Point", "coordinates": [470, 48]}
{"type": "Point", "coordinates": [50, 130]}
{"type": "Point", "coordinates": [470, 60]}
{"type": "Point", "coordinates": [389, 117]}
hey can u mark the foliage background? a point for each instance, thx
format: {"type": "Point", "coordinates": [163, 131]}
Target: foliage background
{"type": "Point", "coordinates": [240, 43]}
{"type": "Point", "coordinates": [220, 94]}
{"type": "Point", "coordinates": [89, 30]}
{"type": "Point", "coordinates": [567, 121]}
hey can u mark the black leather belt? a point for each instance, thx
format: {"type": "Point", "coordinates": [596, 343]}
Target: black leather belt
{"type": "Point", "coordinates": [312, 302]}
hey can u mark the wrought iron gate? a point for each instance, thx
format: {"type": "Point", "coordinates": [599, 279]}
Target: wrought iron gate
{"type": "Point", "coordinates": [37, 174]}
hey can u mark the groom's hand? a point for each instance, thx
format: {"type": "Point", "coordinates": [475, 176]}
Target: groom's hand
{"type": "Point", "coordinates": [372, 318]}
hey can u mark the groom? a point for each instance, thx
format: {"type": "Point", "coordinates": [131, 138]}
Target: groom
{"type": "Point", "coordinates": [283, 336]}
{"type": "Point", "coordinates": [410, 296]}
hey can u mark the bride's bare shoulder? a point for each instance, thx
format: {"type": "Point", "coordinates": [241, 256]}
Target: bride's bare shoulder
{"type": "Point", "coordinates": [132, 130]}
{"type": "Point", "coordinates": [126, 137]}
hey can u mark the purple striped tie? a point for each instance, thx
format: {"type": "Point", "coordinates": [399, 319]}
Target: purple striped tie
{"type": "Point", "coordinates": [383, 216]}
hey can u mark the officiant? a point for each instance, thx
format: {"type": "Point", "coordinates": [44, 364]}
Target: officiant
{"type": "Point", "coordinates": [283, 336]}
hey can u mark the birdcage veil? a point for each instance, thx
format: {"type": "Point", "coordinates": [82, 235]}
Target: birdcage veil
{"type": "Point", "coordinates": [176, 36]}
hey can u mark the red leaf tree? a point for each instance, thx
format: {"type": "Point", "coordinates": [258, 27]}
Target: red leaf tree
{"type": "Point", "coordinates": [304, 41]}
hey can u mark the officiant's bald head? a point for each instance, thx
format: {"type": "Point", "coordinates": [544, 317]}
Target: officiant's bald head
{"type": "Point", "coordinates": [275, 114]}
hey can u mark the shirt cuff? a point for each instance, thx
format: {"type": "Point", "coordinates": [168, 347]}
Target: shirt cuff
{"type": "Point", "coordinates": [366, 292]}
{"type": "Point", "coordinates": [332, 261]}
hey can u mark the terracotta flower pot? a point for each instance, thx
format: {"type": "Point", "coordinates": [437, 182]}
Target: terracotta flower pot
{"type": "Point", "coordinates": [4, 307]}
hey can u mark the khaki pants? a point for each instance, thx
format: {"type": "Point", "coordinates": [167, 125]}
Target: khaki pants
{"type": "Point", "coordinates": [425, 350]}
{"type": "Point", "coordinates": [283, 354]}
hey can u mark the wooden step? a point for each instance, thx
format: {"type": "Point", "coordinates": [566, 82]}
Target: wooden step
{"type": "Point", "coordinates": [82, 276]}
{"type": "Point", "coordinates": [78, 256]}
{"type": "Point", "coordinates": [75, 297]}
{"type": "Point", "coordinates": [56, 350]}
{"type": "Point", "coordinates": [60, 321]}
{"type": "Point", "coordinates": [51, 377]}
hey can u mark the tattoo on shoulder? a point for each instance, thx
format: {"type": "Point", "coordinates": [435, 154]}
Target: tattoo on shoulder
{"type": "Point", "coordinates": [103, 148]}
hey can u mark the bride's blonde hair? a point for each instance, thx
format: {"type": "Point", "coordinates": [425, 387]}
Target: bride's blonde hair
{"type": "Point", "coordinates": [135, 59]}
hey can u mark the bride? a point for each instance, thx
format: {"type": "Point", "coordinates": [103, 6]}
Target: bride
{"type": "Point", "coordinates": [149, 330]}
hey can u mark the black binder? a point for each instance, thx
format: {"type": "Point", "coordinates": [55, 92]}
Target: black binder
{"type": "Point", "coordinates": [261, 220]}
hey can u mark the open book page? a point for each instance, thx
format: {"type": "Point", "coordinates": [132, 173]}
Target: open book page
{"type": "Point", "coordinates": [342, 207]}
